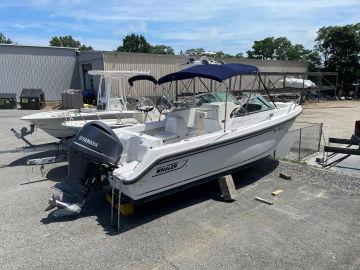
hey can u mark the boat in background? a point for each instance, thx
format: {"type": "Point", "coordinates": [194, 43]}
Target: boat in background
{"type": "Point", "coordinates": [297, 83]}
{"type": "Point", "coordinates": [201, 61]}
{"type": "Point", "coordinates": [203, 137]}
{"type": "Point", "coordinates": [110, 108]}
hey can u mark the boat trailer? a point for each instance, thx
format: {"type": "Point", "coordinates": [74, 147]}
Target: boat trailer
{"type": "Point", "coordinates": [23, 133]}
{"type": "Point", "coordinates": [58, 146]}
{"type": "Point", "coordinates": [347, 151]}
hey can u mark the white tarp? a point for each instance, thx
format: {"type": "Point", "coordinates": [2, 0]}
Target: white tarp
{"type": "Point", "coordinates": [295, 83]}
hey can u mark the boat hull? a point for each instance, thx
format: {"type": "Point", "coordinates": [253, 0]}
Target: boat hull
{"type": "Point", "coordinates": [213, 160]}
{"type": "Point", "coordinates": [52, 122]}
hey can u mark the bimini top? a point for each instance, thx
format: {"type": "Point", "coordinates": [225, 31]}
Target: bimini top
{"type": "Point", "coordinates": [214, 72]}
{"type": "Point", "coordinates": [142, 77]}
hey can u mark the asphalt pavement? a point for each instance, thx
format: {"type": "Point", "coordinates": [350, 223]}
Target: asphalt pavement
{"type": "Point", "coordinates": [313, 224]}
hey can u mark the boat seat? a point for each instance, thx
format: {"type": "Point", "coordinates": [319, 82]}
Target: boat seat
{"type": "Point", "coordinates": [136, 149]}
{"type": "Point", "coordinates": [175, 127]}
{"type": "Point", "coordinates": [165, 136]}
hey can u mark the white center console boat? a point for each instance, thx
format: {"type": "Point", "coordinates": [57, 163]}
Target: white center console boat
{"type": "Point", "coordinates": [112, 110]}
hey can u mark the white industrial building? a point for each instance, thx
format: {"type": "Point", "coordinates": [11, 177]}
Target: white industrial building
{"type": "Point", "coordinates": [51, 69]}
{"type": "Point", "coordinates": [55, 69]}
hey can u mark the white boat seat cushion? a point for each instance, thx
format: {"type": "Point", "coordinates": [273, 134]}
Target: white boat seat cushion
{"type": "Point", "coordinates": [176, 125]}
{"type": "Point", "coordinates": [136, 150]}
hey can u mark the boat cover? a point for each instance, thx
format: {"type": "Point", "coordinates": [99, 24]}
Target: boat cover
{"type": "Point", "coordinates": [32, 93]}
{"type": "Point", "coordinates": [8, 95]}
{"type": "Point", "coordinates": [214, 72]}
{"type": "Point", "coordinates": [140, 78]}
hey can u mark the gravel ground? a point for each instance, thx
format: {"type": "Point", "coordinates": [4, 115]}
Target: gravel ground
{"type": "Point", "coordinates": [330, 180]}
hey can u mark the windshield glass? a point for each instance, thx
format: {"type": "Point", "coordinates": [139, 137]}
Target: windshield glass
{"type": "Point", "coordinates": [198, 100]}
{"type": "Point", "coordinates": [252, 97]}
{"type": "Point", "coordinates": [252, 102]}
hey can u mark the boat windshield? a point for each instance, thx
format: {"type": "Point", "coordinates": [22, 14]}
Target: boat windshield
{"type": "Point", "coordinates": [198, 100]}
{"type": "Point", "coordinates": [251, 97]}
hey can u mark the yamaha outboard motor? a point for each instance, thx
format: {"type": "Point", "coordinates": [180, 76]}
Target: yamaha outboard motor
{"type": "Point", "coordinates": [94, 151]}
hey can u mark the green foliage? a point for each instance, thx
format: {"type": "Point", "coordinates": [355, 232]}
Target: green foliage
{"type": "Point", "coordinates": [68, 41]}
{"type": "Point", "coordinates": [162, 49]}
{"type": "Point", "coordinates": [83, 47]}
{"type": "Point", "coordinates": [134, 43]}
{"type": "Point", "coordinates": [239, 55]}
{"type": "Point", "coordinates": [221, 54]}
{"type": "Point", "coordinates": [282, 49]}
{"type": "Point", "coordinates": [262, 49]}
{"type": "Point", "coordinates": [201, 52]}
{"type": "Point", "coordinates": [340, 47]}
{"type": "Point", "coordinates": [313, 59]}
{"type": "Point", "coordinates": [5, 40]}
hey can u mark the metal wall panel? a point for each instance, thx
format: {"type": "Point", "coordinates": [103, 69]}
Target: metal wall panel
{"type": "Point", "coordinates": [51, 69]}
{"type": "Point", "coordinates": [157, 65]}
{"type": "Point", "coordinates": [160, 65]}
{"type": "Point", "coordinates": [96, 59]}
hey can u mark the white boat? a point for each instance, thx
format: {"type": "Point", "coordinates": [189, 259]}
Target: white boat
{"type": "Point", "coordinates": [295, 83]}
{"type": "Point", "coordinates": [200, 61]}
{"type": "Point", "coordinates": [206, 136]}
{"type": "Point", "coordinates": [65, 123]}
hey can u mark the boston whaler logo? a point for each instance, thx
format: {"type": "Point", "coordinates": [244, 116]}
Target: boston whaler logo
{"type": "Point", "coordinates": [172, 166]}
{"type": "Point", "coordinates": [88, 141]}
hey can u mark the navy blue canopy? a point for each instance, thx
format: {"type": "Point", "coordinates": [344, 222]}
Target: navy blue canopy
{"type": "Point", "coordinates": [214, 72]}
{"type": "Point", "coordinates": [141, 77]}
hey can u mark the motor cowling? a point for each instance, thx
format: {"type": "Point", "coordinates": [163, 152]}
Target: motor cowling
{"type": "Point", "coordinates": [94, 151]}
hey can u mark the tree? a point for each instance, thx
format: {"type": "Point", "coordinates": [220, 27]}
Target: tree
{"type": "Point", "coordinates": [282, 49]}
{"type": "Point", "coordinates": [239, 55]}
{"type": "Point", "coordinates": [68, 41]}
{"type": "Point", "coordinates": [221, 54]}
{"type": "Point", "coordinates": [162, 49]}
{"type": "Point", "coordinates": [134, 43]}
{"type": "Point", "coordinates": [5, 40]}
{"type": "Point", "coordinates": [340, 47]}
{"type": "Point", "coordinates": [85, 48]}
{"type": "Point", "coordinates": [313, 59]}
{"type": "Point", "coordinates": [262, 49]}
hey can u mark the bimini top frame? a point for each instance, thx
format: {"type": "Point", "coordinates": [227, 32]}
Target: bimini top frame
{"type": "Point", "coordinates": [142, 78]}
{"type": "Point", "coordinates": [214, 72]}
{"type": "Point", "coordinates": [219, 73]}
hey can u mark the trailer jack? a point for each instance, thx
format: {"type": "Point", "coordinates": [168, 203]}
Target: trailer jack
{"type": "Point", "coordinates": [23, 133]}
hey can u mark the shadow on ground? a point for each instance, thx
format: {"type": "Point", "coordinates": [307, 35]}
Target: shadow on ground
{"type": "Point", "coordinates": [58, 174]}
{"type": "Point", "coordinates": [22, 161]}
{"type": "Point", "coordinates": [152, 210]}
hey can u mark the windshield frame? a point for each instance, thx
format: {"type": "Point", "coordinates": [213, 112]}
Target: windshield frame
{"type": "Point", "coordinates": [190, 101]}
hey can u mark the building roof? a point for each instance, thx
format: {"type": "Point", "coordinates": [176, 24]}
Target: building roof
{"type": "Point", "coordinates": [37, 46]}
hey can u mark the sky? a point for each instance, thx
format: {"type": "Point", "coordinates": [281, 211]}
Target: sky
{"type": "Point", "coordinates": [227, 25]}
